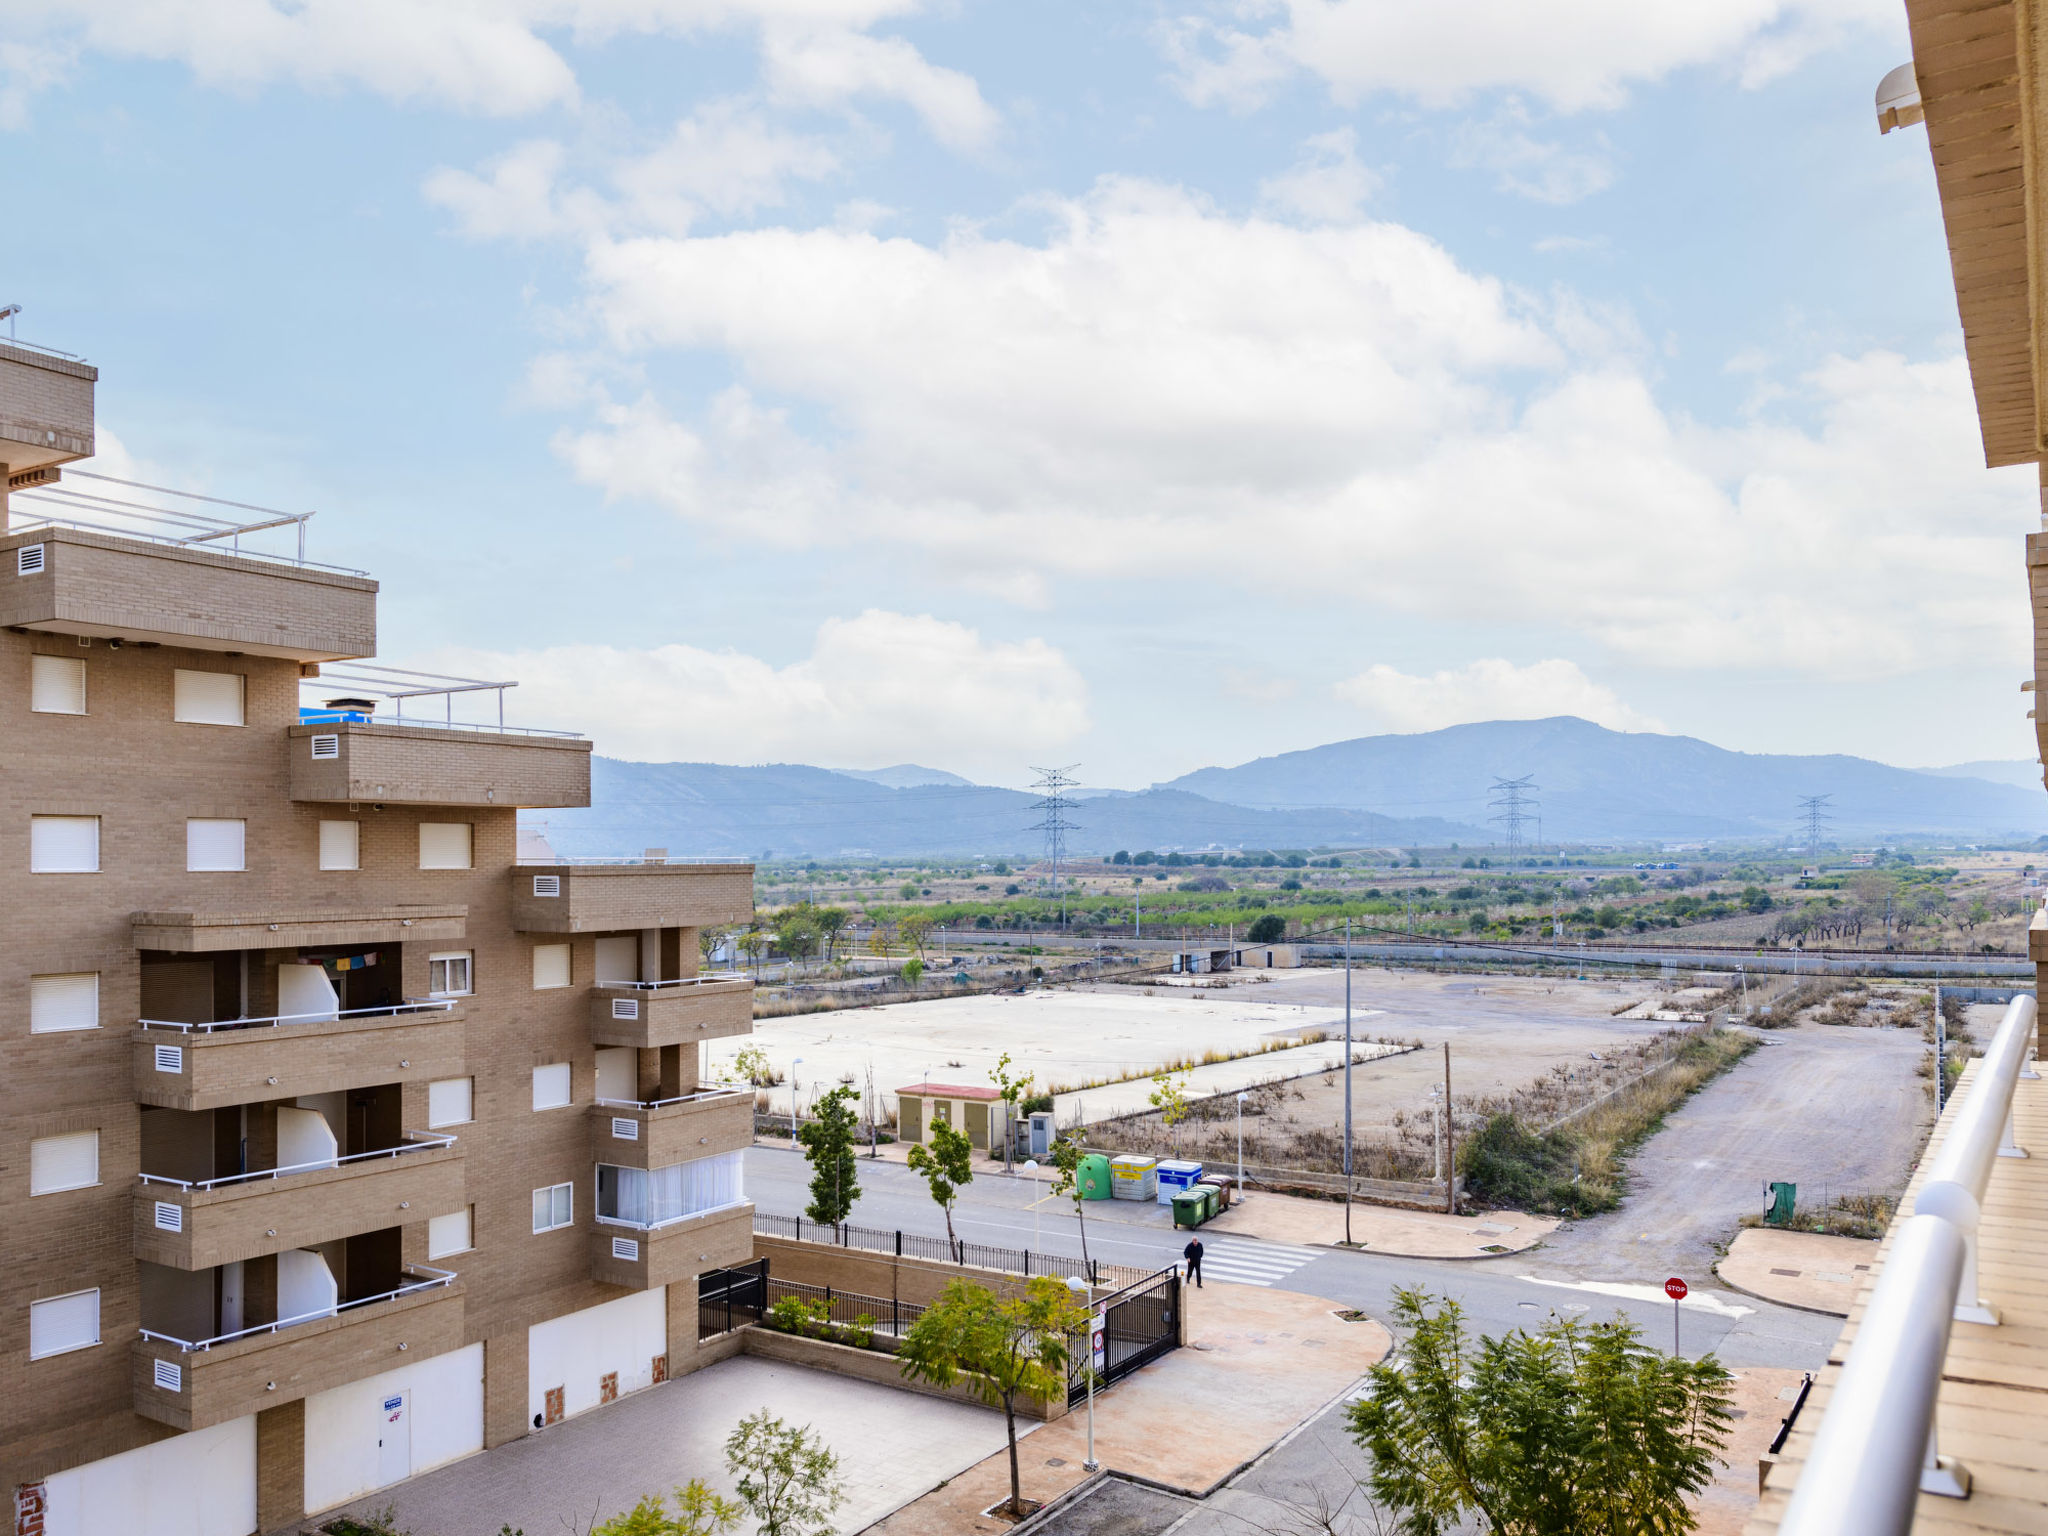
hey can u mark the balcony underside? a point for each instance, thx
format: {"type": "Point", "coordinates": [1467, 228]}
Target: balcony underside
{"type": "Point", "coordinates": [648, 1018]}
{"type": "Point", "coordinates": [672, 1254]}
{"type": "Point", "coordinates": [198, 933]}
{"type": "Point", "coordinates": [423, 765]}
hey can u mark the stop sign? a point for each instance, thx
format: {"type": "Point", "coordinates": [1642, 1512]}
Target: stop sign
{"type": "Point", "coordinates": [1675, 1288]}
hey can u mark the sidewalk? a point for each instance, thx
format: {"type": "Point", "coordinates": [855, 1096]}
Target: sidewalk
{"type": "Point", "coordinates": [1260, 1362]}
{"type": "Point", "coordinates": [1798, 1269]}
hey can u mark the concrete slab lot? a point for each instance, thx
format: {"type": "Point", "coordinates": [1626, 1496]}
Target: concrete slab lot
{"type": "Point", "coordinates": [893, 1445]}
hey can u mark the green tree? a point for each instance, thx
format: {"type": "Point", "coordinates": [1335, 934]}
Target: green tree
{"type": "Point", "coordinates": [751, 1063]}
{"type": "Point", "coordinates": [1270, 929]}
{"type": "Point", "coordinates": [1012, 1089]}
{"type": "Point", "coordinates": [912, 970]}
{"type": "Point", "coordinates": [699, 1512]}
{"type": "Point", "coordinates": [1573, 1431]}
{"type": "Point", "coordinates": [915, 928]}
{"type": "Point", "coordinates": [831, 921]}
{"type": "Point", "coordinates": [1169, 1096]}
{"type": "Point", "coordinates": [945, 1163]}
{"type": "Point", "coordinates": [708, 942]}
{"type": "Point", "coordinates": [828, 1142]}
{"type": "Point", "coordinates": [788, 1478]}
{"type": "Point", "coordinates": [1067, 1152]}
{"type": "Point", "coordinates": [1004, 1349]}
{"type": "Point", "coordinates": [754, 943]}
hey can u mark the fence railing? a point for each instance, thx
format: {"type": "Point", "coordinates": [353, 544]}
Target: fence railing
{"type": "Point", "coordinates": [1875, 1450]}
{"type": "Point", "coordinates": [884, 1314]}
{"type": "Point", "coordinates": [415, 1141]}
{"type": "Point", "coordinates": [285, 1020]}
{"type": "Point", "coordinates": [912, 1245]}
{"type": "Point", "coordinates": [433, 1279]}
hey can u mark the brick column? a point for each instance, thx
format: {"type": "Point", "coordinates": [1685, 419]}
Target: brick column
{"type": "Point", "coordinates": [281, 1465]}
{"type": "Point", "coordinates": [505, 1416]}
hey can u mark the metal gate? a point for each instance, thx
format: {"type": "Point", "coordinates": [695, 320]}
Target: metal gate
{"type": "Point", "coordinates": [731, 1298]}
{"type": "Point", "coordinates": [1140, 1323]}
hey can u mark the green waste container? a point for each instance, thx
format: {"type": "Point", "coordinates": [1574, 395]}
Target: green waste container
{"type": "Point", "coordinates": [1093, 1177]}
{"type": "Point", "coordinates": [1190, 1208]}
{"type": "Point", "coordinates": [1212, 1200]}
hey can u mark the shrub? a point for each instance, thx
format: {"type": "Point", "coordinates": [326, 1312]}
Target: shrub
{"type": "Point", "coordinates": [1269, 929]}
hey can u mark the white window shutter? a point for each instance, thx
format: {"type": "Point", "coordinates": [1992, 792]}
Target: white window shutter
{"type": "Point", "coordinates": [57, 685]}
{"type": "Point", "coordinates": [448, 1102]}
{"type": "Point", "coordinates": [57, 1003]}
{"type": "Point", "coordinates": [207, 698]}
{"type": "Point", "coordinates": [70, 1161]}
{"type": "Point", "coordinates": [63, 1323]}
{"type": "Point", "coordinates": [63, 845]}
{"type": "Point", "coordinates": [215, 844]}
{"type": "Point", "coordinates": [551, 1085]}
{"type": "Point", "coordinates": [448, 1234]}
{"type": "Point", "coordinates": [341, 845]}
{"type": "Point", "coordinates": [444, 845]}
{"type": "Point", "coordinates": [550, 966]}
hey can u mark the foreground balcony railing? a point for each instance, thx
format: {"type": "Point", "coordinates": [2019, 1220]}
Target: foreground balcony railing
{"type": "Point", "coordinates": [281, 1020]}
{"type": "Point", "coordinates": [656, 1133]}
{"type": "Point", "coordinates": [701, 1096]}
{"type": "Point", "coordinates": [225, 1062]}
{"type": "Point", "coordinates": [639, 1256]}
{"type": "Point", "coordinates": [1875, 1451]}
{"type": "Point", "coordinates": [428, 1280]}
{"type": "Point", "coordinates": [415, 1141]}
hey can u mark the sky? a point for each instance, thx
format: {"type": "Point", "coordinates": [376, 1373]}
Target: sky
{"type": "Point", "coordinates": [1139, 386]}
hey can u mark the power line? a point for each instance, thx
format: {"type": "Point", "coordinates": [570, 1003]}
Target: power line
{"type": "Point", "coordinates": [1813, 810]}
{"type": "Point", "coordinates": [1514, 805]}
{"type": "Point", "coordinates": [1052, 785]}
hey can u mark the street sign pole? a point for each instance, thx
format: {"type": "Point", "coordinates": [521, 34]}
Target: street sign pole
{"type": "Point", "coordinates": [1675, 1289]}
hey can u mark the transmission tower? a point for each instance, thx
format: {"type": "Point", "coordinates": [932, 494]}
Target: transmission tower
{"type": "Point", "coordinates": [1514, 804]}
{"type": "Point", "coordinates": [1813, 810]}
{"type": "Point", "coordinates": [1052, 784]}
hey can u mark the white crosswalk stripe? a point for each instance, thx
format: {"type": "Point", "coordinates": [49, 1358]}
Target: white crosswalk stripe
{"type": "Point", "coordinates": [1244, 1263]}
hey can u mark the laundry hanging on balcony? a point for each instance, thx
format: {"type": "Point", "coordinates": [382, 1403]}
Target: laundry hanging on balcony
{"type": "Point", "coordinates": [360, 962]}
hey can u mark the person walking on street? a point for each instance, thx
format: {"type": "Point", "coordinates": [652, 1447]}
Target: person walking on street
{"type": "Point", "coordinates": [1193, 1254]}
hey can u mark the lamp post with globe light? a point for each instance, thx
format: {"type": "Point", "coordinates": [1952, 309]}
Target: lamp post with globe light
{"type": "Point", "coordinates": [1080, 1288]}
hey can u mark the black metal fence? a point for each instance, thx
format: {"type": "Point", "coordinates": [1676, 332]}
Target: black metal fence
{"type": "Point", "coordinates": [1140, 1323]}
{"type": "Point", "coordinates": [731, 1298]}
{"type": "Point", "coordinates": [911, 1245]}
{"type": "Point", "coordinates": [885, 1314]}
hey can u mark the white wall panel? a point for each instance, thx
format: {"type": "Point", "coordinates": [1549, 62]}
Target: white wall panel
{"type": "Point", "coordinates": [576, 1351]}
{"type": "Point", "coordinates": [201, 1484]}
{"type": "Point", "coordinates": [446, 1413]}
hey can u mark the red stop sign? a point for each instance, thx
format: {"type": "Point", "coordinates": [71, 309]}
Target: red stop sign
{"type": "Point", "coordinates": [1675, 1288]}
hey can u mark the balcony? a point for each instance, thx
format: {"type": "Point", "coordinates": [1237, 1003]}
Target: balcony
{"type": "Point", "coordinates": [338, 761]}
{"type": "Point", "coordinates": [634, 1135]}
{"type": "Point", "coordinates": [615, 898]}
{"type": "Point", "coordinates": [45, 411]}
{"type": "Point", "coordinates": [639, 1258]}
{"type": "Point", "coordinates": [178, 593]}
{"type": "Point", "coordinates": [249, 1061]}
{"type": "Point", "coordinates": [196, 933]}
{"type": "Point", "coordinates": [190, 1384]}
{"type": "Point", "coordinates": [217, 1221]}
{"type": "Point", "coordinates": [652, 1014]}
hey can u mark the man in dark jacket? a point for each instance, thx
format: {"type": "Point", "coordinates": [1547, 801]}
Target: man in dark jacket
{"type": "Point", "coordinates": [1193, 1254]}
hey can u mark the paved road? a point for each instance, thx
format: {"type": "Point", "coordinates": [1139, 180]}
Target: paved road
{"type": "Point", "coordinates": [1497, 1294]}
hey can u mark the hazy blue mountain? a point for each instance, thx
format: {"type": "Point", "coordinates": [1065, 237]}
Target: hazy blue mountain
{"type": "Point", "coordinates": [2015, 771]}
{"type": "Point", "coordinates": [906, 776]}
{"type": "Point", "coordinates": [1601, 785]}
{"type": "Point", "coordinates": [796, 811]}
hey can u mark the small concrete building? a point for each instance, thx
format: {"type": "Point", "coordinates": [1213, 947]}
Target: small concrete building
{"type": "Point", "coordinates": [977, 1111]}
{"type": "Point", "coordinates": [1270, 957]}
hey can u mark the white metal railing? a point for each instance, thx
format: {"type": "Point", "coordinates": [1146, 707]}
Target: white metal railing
{"type": "Point", "coordinates": [111, 513]}
{"type": "Point", "coordinates": [706, 979]}
{"type": "Point", "coordinates": [414, 1005]}
{"type": "Point", "coordinates": [436, 1279]}
{"type": "Point", "coordinates": [1875, 1452]}
{"type": "Point", "coordinates": [415, 1141]}
{"type": "Point", "coordinates": [704, 1095]}
{"type": "Point", "coordinates": [563, 860]}
{"type": "Point", "coordinates": [395, 685]}
{"type": "Point", "coordinates": [670, 1221]}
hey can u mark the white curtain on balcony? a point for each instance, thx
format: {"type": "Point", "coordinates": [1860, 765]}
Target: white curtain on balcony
{"type": "Point", "coordinates": [649, 1197]}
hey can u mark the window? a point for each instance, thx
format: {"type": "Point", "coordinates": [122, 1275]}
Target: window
{"type": "Point", "coordinates": [61, 1324]}
{"type": "Point", "coordinates": [207, 698]}
{"type": "Point", "coordinates": [63, 1162]}
{"type": "Point", "coordinates": [550, 966]}
{"type": "Point", "coordinates": [56, 685]}
{"type": "Point", "coordinates": [214, 843]}
{"type": "Point", "coordinates": [448, 974]}
{"type": "Point", "coordinates": [64, 845]}
{"type": "Point", "coordinates": [554, 1207]}
{"type": "Point", "coordinates": [648, 1197]}
{"type": "Point", "coordinates": [58, 1003]}
{"type": "Point", "coordinates": [449, 1101]}
{"type": "Point", "coordinates": [450, 1234]}
{"type": "Point", "coordinates": [341, 845]}
{"type": "Point", "coordinates": [551, 1085]}
{"type": "Point", "coordinates": [444, 845]}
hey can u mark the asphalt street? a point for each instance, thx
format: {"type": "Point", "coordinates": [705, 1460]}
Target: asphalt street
{"type": "Point", "coordinates": [1497, 1294]}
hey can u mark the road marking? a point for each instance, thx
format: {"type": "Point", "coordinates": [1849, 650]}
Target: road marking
{"type": "Point", "coordinates": [1700, 1301]}
{"type": "Point", "coordinates": [1251, 1263]}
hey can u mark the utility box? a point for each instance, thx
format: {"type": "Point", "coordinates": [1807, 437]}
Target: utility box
{"type": "Point", "coordinates": [1135, 1178]}
{"type": "Point", "coordinates": [1173, 1177]}
{"type": "Point", "coordinates": [1038, 1134]}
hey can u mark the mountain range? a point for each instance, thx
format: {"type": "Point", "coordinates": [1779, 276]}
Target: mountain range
{"type": "Point", "coordinates": [1588, 785]}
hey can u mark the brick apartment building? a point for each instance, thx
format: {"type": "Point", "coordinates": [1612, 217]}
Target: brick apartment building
{"type": "Point", "coordinates": [342, 1144]}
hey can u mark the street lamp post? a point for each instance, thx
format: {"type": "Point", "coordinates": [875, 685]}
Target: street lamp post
{"type": "Point", "coordinates": [1080, 1287]}
{"type": "Point", "coordinates": [794, 1064]}
{"type": "Point", "coordinates": [1347, 1082]}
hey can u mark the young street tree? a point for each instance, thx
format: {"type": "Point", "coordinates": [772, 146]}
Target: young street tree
{"type": "Point", "coordinates": [1576, 1429]}
{"type": "Point", "coordinates": [828, 1140]}
{"type": "Point", "coordinates": [1003, 1349]}
{"type": "Point", "coordinates": [1067, 1153]}
{"type": "Point", "coordinates": [787, 1478]}
{"type": "Point", "coordinates": [1013, 1090]}
{"type": "Point", "coordinates": [1169, 1096]}
{"type": "Point", "coordinates": [698, 1512]}
{"type": "Point", "coordinates": [945, 1163]}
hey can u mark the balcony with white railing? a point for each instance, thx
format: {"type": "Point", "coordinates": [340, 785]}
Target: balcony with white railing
{"type": "Point", "coordinates": [190, 1383]}
{"type": "Point", "coordinates": [1930, 1413]}
{"type": "Point", "coordinates": [656, 1133]}
{"type": "Point", "coordinates": [246, 1061]}
{"type": "Point", "coordinates": [651, 1014]}
{"type": "Point", "coordinates": [626, 895]}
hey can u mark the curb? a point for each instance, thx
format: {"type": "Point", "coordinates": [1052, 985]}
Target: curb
{"type": "Point", "coordinates": [1794, 1306]}
{"type": "Point", "coordinates": [1427, 1258]}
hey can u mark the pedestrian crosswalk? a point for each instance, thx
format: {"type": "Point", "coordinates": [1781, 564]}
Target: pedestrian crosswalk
{"type": "Point", "coordinates": [1249, 1263]}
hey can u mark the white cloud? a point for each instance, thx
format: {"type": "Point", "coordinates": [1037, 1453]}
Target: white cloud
{"type": "Point", "coordinates": [1573, 54]}
{"type": "Point", "coordinates": [1545, 172]}
{"type": "Point", "coordinates": [1156, 388]}
{"type": "Point", "coordinates": [875, 688]}
{"type": "Point", "coordinates": [830, 66]}
{"type": "Point", "coordinates": [1327, 185]}
{"type": "Point", "coordinates": [1491, 689]}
